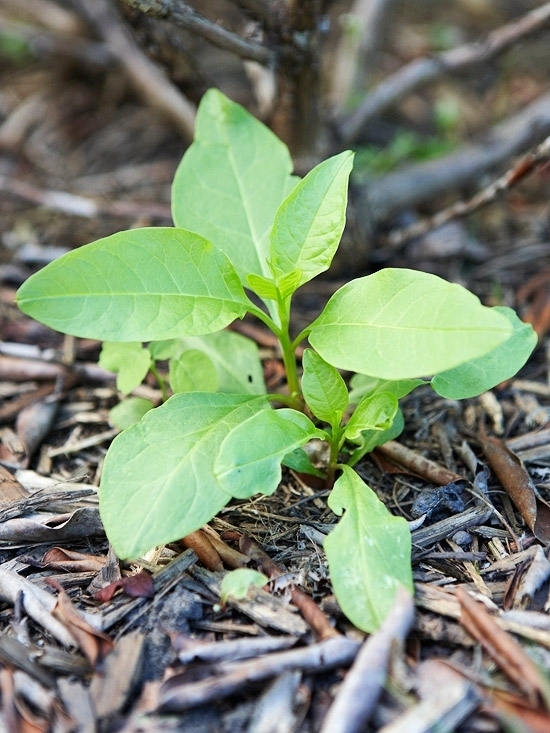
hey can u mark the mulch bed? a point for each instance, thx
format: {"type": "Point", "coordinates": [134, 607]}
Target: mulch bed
{"type": "Point", "coordinates": [162, 653]}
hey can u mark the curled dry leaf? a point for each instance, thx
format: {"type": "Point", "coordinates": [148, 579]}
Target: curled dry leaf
{"type": "Point", "coordinates": [515, 479]}
{"type": "Point", "coordinates": [94, 644]}
{"type": "Point", "coordinates": [34, 423]}
{"type": "Point", "coordinates": [204, 549]}
{"type": "Point", "coordinates": [139, 585]}
{"type": "Point", "coordinates": [72, 562]}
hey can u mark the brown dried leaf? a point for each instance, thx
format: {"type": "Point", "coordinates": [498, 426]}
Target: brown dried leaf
{"type": "Point", "coordinates": [205, 551]}
{"type": "Point", "coordinates": [73, 562]}
{"type": "Point", "coordinates": [502, 648]}
{"type": "Point", "coordinates": [514, 478]}
{"type": "Point", "coordinates": [512, 709]}
{"type": "Point", "coordinates": [35, 421]}
{"type": "Point", "coordinates": [10, 488]}
{"type": "Point", "coordinates": [139, 585]}
{"type": "Point", "coordinates": [94, 644]}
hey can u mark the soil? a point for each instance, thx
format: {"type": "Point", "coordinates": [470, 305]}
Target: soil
{"type": "Point", "coordinates": [160, 654]}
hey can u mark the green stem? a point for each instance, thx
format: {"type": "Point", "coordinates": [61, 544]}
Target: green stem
{"type": "Point", "coordinates": [161, 381]}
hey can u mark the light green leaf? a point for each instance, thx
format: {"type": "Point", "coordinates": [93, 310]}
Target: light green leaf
{"type": "Point", "coordinates": [479, 375]}
{"type": "Point", "coordinates": [399, 324]}
{"type": "Point", "coordinates": [161, 350]}
{"type": "Point", "coordinates": [298, 460]}
{"type": "Point", "coordinates": [140, 285]}
{"type": "Point", "coordinates": [362, 384]}
{"type": "Point", "coordinates": [129, 411]}
{"type": "Point", "coordinates": [193, 371]}
{"type": "Point", "coordinates": [309, 223]}
{"type": "Point", "coordinates": [374, 412]}
{"type": "Point", "coordinates": [368, 552]}
{"type": "Point", "coordinates": [249, 459]}
{"type": "Point", "coordinates": [264, 287]}
{"type": "Point", "coordinates": [158, 482]}
{"type": "Point", "coordinates": [237, 583]}
{"type": "Point", "coordinates": [236, 359]}
{"type": "Point", "coordinates": [231, 181]}
{"type": "Point", "coordinates": [130, 360]}
{"type": "Point", "coordinates": [324, 390]}
{"type": "Point", "coordinates": [370, 439]}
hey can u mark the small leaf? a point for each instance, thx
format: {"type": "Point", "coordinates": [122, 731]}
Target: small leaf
{"type": "Point", "coordinates": [399, 324]}
{"type": "Point", "coordinates": [325, 391]}
{"type": "Point", "coordinates": [264, 287]}
{"type": "Point", "coordinates": [131, 360]}
{"type": "Point", "coordinates": [368, 552]}
{"type": "Point", "coordinates": [298, 460]}
{"type": "Point", "coordinates": [370, 439]}
{"type": "Point", "coordinates": [129, 411]}
{"type": "Point", "coordinates": [249, 458]}
{"type": "Point", "coordinates": [374, 412]}
{"type": "Point", "coordinates": [479, 375]}
{"type": "Point", "coordinates": [236, 359]}
{"type": "Point", "coordinates": [309, 223]}
{"type": "Point", "coordinates": [237, 583]}
{"type": "Point", "coordinates": [144, 284]}
{"type": "Point", "coordinates": [231, 181]}
{"type": "Point", "coordinates": [158, 482]}
{"type": "Point", "coordinates": [362, 384]}
{"type": "Point", "coordinates": [193, 371]}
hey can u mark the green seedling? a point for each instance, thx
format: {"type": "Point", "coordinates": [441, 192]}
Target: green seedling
{"type": "Point", "coordinates": [247, 235]}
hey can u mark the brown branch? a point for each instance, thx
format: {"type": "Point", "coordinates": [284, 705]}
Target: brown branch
{"type": "Point", "coordinates": [491, 192]}
{"type": "Point", "coordinates": [180, 14]}
{"type": "Point", "coordinates": [422, 71]}
{"type": "Point", "coordinates": [147, 78]}
{"type": "Point", "coordinates": [73, 205]}
{"type": "Point", "coordinates": [417, 183]}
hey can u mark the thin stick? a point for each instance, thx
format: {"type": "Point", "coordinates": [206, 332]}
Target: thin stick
{"type": "Point", "coordinates": [518, 172]}
{"type": "Point", "coordinates": [180, 14]}
{"type": "Point", "coordinates": [422, 71]}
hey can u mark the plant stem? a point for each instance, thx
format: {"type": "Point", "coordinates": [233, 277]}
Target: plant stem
{"type": "Point", "coordinates": [161, 381]}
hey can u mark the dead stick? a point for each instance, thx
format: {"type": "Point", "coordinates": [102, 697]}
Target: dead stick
{"type": "Point", "coordinates": [364, 683]}
{"type": "Point", "coordinates": [307, 607]}
{"type": "Point", "coordinates": [417, 463]}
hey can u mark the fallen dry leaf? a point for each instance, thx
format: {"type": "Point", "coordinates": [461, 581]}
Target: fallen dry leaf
{"type": "Point", "coordinates": [515, 479]}
{"type": "Point", "coordinates": [72, 562]}
{"type": "Point", "coordinates": [204, 549]}
{"type": "Point", "coordinates": [139, 585]}
{"type": "Point", "coordinates": [512, 710]}
{"type": "Point", "coordinates": [94, 644]}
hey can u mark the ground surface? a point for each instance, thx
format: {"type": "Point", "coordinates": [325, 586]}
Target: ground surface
{"type": "Point", "coordinates": [69, 128]}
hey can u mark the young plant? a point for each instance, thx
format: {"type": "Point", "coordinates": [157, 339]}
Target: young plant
{"type": "Point", "coordinates": [243, 223]}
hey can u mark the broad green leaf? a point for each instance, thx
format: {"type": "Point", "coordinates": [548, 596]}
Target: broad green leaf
{"type": "Point", "coordinates": [231, 181]}
{"type": "Point", "coordinates": [158, 482]}
{"type": "Point", "coordinates": [479, 375]}
{"type": "Point", "coordinates": [237, 583]}
{"type": "Point", "coordinates": [131, 361]}
{"type": "Point", "coordinates": [235, 358]}
{"type": "Point", "coordinates": [362, 384]}
{"type": "Point", "coordinates": [375, 412]}
{"type": "Point", "coordinates": [161, 350]}
{"type": "Point", "coordinates": [399, 324]}
{"type": "Point", "coordinates": [368, 552]}
{"type": "Point", "coordinates": [249, 459]}
{"type": "Point", "coordinates": [309, 223]}
{"type": "Point", "coordinates": [129, 412]}
{"type": "Point", "coordinates": [324, 390]}
{"type": "Point", "coordinates": [193, 371]}
{"type": "Point", "coordinates": [140, 285]}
